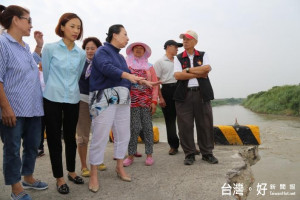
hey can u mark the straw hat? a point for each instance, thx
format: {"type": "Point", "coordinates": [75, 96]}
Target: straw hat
{"type": "Point", "coordinates": [147, 53]}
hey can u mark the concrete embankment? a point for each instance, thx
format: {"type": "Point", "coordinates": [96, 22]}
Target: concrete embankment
{"type": "Point", "coordinates": [168, 178]}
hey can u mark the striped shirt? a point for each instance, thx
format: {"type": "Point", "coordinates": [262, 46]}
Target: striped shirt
{"type": "Point", "coordinates": [20, 77]}
{"type": "Point", "coordinates": [62, 69]}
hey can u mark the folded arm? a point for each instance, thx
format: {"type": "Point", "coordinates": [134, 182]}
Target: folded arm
{"type": "Point", "coordinates": [194, 72]}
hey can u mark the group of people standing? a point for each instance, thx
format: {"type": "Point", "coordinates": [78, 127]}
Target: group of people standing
{"type": "Point", "coordinates": [95, 88]}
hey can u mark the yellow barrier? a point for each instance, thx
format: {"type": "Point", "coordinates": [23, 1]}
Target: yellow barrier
{"type": "Point", "coordinates": [155, 136]}
{"type": "Point", "coordinates": [237, 135]}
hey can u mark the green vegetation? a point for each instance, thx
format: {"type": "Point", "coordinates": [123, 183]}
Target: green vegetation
{"type": "Point", "coordinates": [158, 113]}
{"type": "Point", "coordinates": [281, 100]}
{"type": "Point", "coordinates": [231, 101]}
{"type": "Point", "coordinates": [216, 102]}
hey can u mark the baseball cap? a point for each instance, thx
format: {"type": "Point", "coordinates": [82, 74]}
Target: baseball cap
{"type": "Point", "coordinates": [189, 34]}
{"type": "Point", "coordinates": [172, 42]}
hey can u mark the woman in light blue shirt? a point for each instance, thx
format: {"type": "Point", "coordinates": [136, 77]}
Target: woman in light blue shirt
{"type": "Point", "coordinates": [63, 62]}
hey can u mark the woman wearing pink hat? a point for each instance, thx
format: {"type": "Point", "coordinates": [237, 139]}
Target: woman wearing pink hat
{"type": "Point", "coordinates": [143, 101]}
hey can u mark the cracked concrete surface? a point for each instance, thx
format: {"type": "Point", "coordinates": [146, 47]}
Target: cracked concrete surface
{"type": "Point", "coordinates": [168, 178]}
{"type": "Point", "coordinates": [243, 174]}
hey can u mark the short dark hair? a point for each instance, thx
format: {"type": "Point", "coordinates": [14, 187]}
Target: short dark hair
{"type": "Point", "coordinates": [62, 22]}
{"type": "Point", "coordinates": [7, 14]}
{"type": "Point", "coordinates": [95, 40]}
{"type": "Point", "coordinates": [113, 29]}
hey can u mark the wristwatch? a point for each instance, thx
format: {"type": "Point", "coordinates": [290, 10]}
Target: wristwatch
{"type": "Point", "coordinates": [187, 70]}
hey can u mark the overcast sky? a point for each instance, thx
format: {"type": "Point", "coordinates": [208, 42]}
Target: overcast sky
{"type": "Point", "coordinates": [252, 45]}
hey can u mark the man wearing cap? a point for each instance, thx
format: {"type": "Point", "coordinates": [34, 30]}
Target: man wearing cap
{"type": "Point", "coordinates": [164, 69]}
{"type": "Point", "coordinates": [192, 99]}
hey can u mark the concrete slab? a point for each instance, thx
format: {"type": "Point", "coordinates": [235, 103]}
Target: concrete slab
{"type": "Point", "coordinates": [168, 178]}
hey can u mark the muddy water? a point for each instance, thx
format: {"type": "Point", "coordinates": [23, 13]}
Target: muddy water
{"type": "Point", "coordinates": [279, 168]}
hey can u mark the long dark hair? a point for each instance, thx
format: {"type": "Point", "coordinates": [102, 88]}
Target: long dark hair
{"type": "Point", "coordinates": [7, 14]}
{"type": "Point", "coordinates": [113, 29]}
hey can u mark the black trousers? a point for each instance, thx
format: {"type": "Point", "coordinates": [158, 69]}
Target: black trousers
{"type": "Point", "coordinates": [41, 147]}
{"type": "Point", "coordinates": [169, 112]}
{"type": "Point", "coordinates": [194, 110]}
{"type": "Point", "coordinates": [56, 115]}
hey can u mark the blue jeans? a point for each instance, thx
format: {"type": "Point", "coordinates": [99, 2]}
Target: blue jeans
{"type": "Point", "coordinates": [28, 129]}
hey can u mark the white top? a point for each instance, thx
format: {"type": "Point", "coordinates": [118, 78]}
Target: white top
{"type": "Point", "coordinates": [84, 98]}
{"type": "Point", "coordinates": [178, 68]}
{"type": "Point", "coordinates": [164, 69]}
{"type": "Point", "coordinates": [41, 76]}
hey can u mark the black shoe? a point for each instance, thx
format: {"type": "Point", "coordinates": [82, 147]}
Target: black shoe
{"type": "Point", "coordinates": [76, 180]}
{"type": "Point", "coordinates": [173, 151]}
{"type": "Point", "coordinates": [40, 153]}
{"type": "Point", "coordinates": [63, 189]}
{"type": "Point", "coordinates": [210, 158]}
{"type": "Point", "coordinates": [189, 159]}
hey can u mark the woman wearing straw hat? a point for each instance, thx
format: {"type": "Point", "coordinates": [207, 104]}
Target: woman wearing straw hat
{"type": "Point", "coordinates": [143, 101]}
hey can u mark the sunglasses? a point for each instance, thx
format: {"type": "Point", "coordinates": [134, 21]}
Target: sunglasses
{"type": "Point", "coordinates": [28, 19]}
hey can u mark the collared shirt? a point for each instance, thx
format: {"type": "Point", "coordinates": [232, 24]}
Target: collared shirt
{"type": "Point", "coordinates": [62, 69]}
{"type": "Point", "coordinates": [20, 77]}
{"type": "Point", "coordinates": [178, 68]}
{"type": "Point", "coordinates": [164, 69]}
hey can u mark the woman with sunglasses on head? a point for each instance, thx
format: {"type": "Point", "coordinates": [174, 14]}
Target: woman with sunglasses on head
{"type": "Point", "coordinates": [62, 63]}
{"type": "Point", "coordinates": [21, 105]}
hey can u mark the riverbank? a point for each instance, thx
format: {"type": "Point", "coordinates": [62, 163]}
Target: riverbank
{"type": "Point", "coordinates": [279, 100]}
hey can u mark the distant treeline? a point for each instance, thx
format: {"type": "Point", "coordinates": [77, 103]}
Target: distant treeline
{"type": "Point", "coordinates": [230, 101]}
{"type": "Point", "coordinates": [281, 100]}
{"type": "Point", "coordinates": [216, 102]}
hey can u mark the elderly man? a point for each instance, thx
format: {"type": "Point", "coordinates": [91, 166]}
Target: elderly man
{"type": "Point", "coordinates": [192, 99]}
{"type": "Point", "coordinates": [164, 69]}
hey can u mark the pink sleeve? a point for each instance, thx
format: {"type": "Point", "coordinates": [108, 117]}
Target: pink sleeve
{"type": "Point", "coordinates": [155, 88]}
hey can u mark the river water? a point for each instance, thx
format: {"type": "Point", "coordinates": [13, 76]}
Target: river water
{"type": "Point", "coordinates": [278, 171]}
